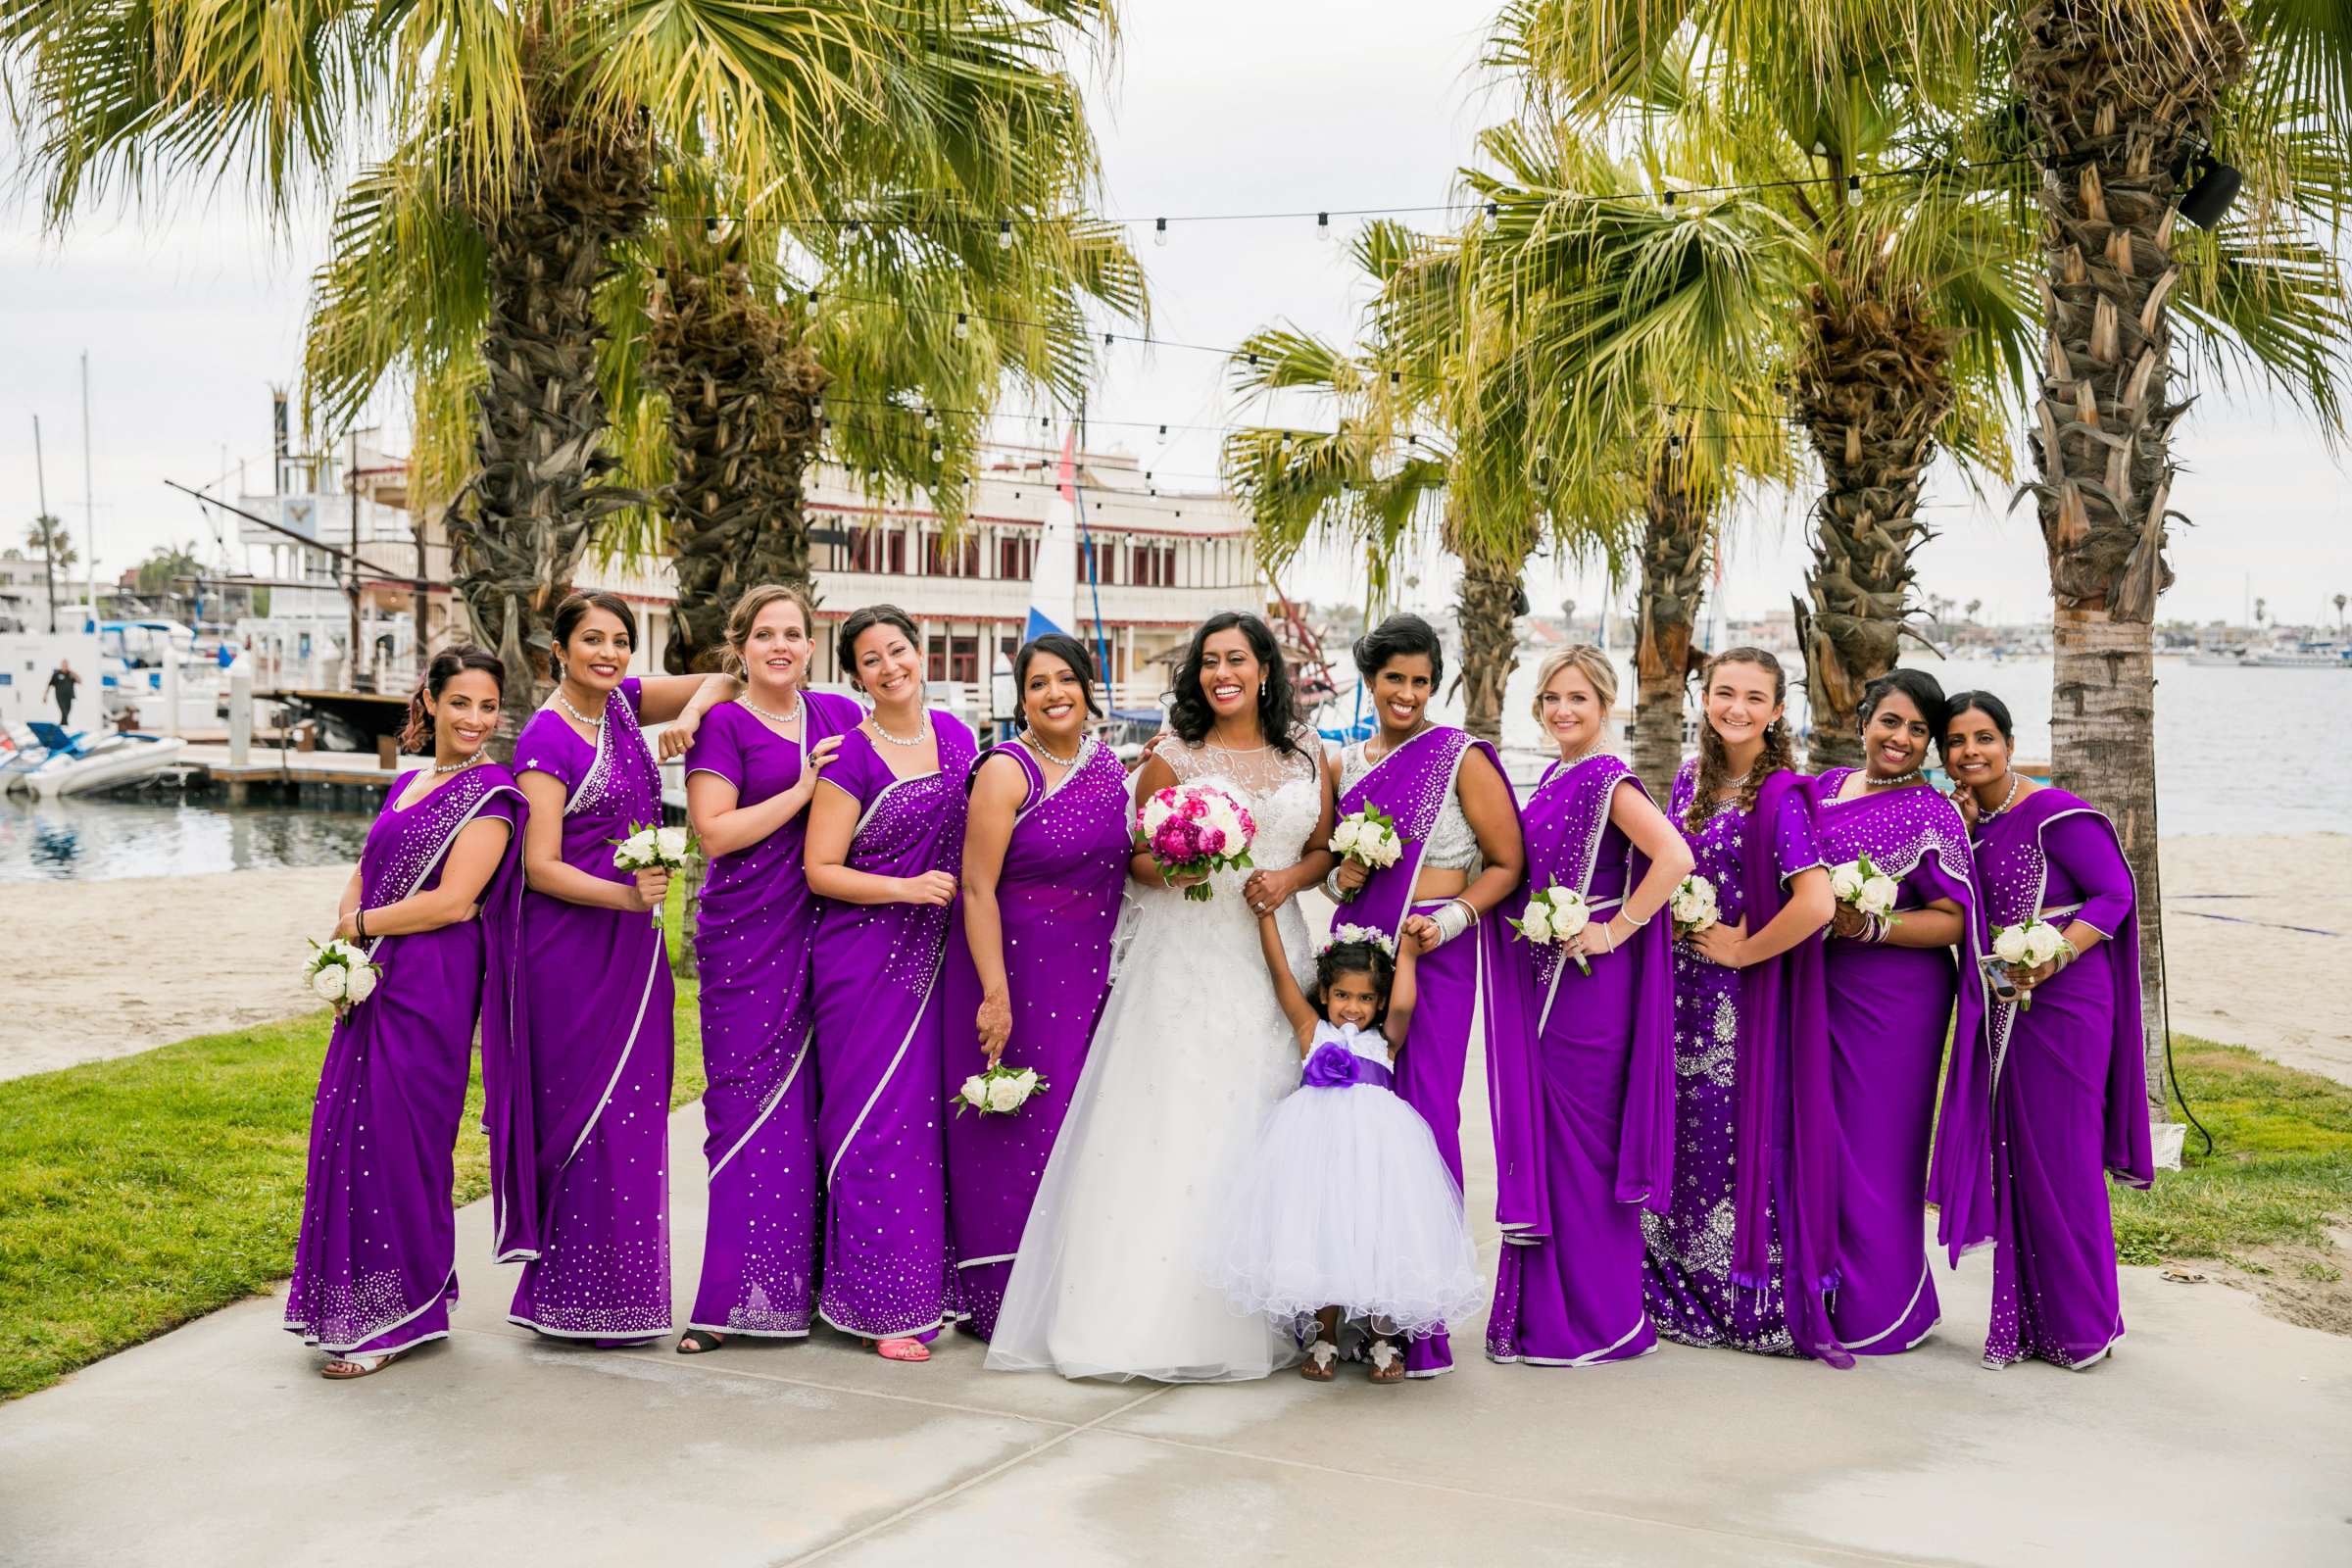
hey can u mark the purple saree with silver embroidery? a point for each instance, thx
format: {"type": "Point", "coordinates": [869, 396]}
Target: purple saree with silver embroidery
{"type": "Point", "coordinates": [1605, 1046]}
{"type": "Point", "coordinates": [1889, 1010]}
{"type": "Point", "coordinates": [1057, 903]}
{"type": "Point", "coordinates": [1479, 979]}
{"type": "Point", "coordinates": [600, 999]}
{"type": "Point", "coordinates": [752, 939]}
{"type": "Point", "coordinates": [879, 1029]}
{"type": "Point", "coordinates": [2068, 1087]}
{"type": "Point", "coordinates": [374, 1260]}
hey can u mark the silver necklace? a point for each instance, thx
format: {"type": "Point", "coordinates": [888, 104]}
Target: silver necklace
{"type": "Point", "coordinates": [1869, 783]}
{"type": "Point", "coordinates": [791, 718]}
{"type": "Point", "coordinates": [922, 731]}
{"type": "Point", "coordinates": [2014, 779]}
{"type": "Point", "coordinates": [1030, 740]}
{"type": "Point", "coordinates": [564, 703]}
{"type": "Point", "coordinates": [456, 766]}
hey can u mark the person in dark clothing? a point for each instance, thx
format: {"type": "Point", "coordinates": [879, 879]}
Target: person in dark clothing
{"type": "Point", "coordinates": [63, 683]}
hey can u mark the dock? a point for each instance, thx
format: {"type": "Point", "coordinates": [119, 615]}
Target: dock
{"type": "Point", "coordinates": [277, 767]}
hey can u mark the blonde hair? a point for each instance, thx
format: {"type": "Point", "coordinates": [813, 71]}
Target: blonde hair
{"type": "Point", "coordinates": [1589, 662]}
{"type": "Point", "coordinates": [1714, 764]}
{"type": "Point", "coordinates": [746, 615]}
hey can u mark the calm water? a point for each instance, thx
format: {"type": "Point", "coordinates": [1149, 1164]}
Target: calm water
{"type": "Point", "coordinates": [90, 839]}
{"type": "Point", "coordinates": [2219, 731]}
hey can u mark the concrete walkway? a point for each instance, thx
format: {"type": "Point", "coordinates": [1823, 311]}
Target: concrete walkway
{"type": "Point", "coordinates": [2216, 1432]}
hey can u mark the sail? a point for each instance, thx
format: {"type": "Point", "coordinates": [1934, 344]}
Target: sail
{"type": "Point", "coordinates": [1053, 580]}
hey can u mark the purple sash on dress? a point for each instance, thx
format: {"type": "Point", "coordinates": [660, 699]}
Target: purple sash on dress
{"type": "Point", "coordinates": [1333, 1067]}
{"type": "Point", "coordinates": [1411, 784]}
{"type": "Point", "coordinates": [2013, 871]}
{"type": "Point", "coordinates": [1566, 819]}
{"type": "Point", "coordinates": [1787, 1134]}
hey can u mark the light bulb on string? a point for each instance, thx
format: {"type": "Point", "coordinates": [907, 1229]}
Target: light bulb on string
{"type": "Point", "coordinates": [930, 419]}
{"type": "Point", "coordinates": [1853, 190]}
{"type": "Point", "coordinates": [1159, 232]}
{"type": "Point", "coordinates": [1323, 229]}
{"type": "Point", "coordinates": [936, 453]}
{"type": "Point", "coordinates": [1004, 234]}
{"type": "Point", "coordinates": [963, 325]}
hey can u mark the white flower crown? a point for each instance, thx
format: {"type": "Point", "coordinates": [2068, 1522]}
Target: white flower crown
{"type": "Point", "coordinates": [1359, 933]}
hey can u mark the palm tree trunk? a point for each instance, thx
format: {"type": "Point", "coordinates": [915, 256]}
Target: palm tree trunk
{"type": "Point", "coordinates": [742, 395]}
{"type": "Point", "coordinates": [1872, 386]}
{"type": "Point", "coordinates": [1487, 608]}
{"type": "Point", "coordinates": [1675, 541]}
{"type": "Point", "coordinates": [519, 529]}
{"type": "Point", "coordinates": [2116, 104]}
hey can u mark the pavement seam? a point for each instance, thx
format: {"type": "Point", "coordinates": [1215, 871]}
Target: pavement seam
{"type": "Point", "coordinates": [965, 1484]}
{"type": "Point", "coordinates": [836, 1388]}
{"type": "Point", "coordinates": [1389, 1477]}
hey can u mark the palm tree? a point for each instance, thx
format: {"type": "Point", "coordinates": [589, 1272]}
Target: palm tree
{"type": "Point", "coordinates": [55, 541]}
{"type": "Point", "coordinates": [1909, 328]}
{"type": "Point", "coordinates": [516, 153]}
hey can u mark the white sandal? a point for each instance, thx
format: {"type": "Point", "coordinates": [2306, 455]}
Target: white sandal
{"type": "Point", "coordinates": [1316, 1368]}
{"type": "Point", "coordinates": [358, 1366]}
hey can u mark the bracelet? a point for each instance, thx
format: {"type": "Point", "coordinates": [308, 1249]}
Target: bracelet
{"type": "Point", "coordinates": [1452, 918]}
{"type": "Point", "coordinates": [1625, 912]}
{"type": "Point", "coordinates": [359, 922]}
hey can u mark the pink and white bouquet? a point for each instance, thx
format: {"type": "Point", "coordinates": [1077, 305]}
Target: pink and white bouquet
{"type": "Point", "coordinates": [1193, 829]}
{"type": "Point", "coordinates": [2028, 946]}
{"type": "Point", "coordinates": [339, 973]}
{"type": "Point", "coordinates": [998, 1092]}
{"type": "Point", "coordinates": [1368, 836]}
{"type": "Point", "coordinates": [1554, 915]}
{"type": "Point", "coordinates": [1694, 906]}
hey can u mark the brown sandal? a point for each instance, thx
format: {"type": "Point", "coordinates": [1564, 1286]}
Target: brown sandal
{"type": "Point", "coordinates": [1388, 1362]}
{"type": "Point", "coordinates": [344, 1368]}
{"type": "Point", "coordinates": [1317, 1368]}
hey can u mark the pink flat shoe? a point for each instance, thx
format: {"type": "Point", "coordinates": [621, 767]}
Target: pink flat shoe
{"type": "Point", "coordinates": [903, 1351]}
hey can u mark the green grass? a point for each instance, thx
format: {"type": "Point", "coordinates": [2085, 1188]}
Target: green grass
{"type": "Point", "coordinates": [2280, 1171]}
{"type": "Point", "coordinates": [139, 1194]}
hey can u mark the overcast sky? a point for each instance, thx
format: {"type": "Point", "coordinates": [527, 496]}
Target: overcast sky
{"type": "Point", "coordinates": [1213, 107]}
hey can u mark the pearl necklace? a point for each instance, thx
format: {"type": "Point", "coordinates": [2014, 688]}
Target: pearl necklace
{"type": "Point", "coordinates": [452, 767]}
{"type": "Point", "coordinates": [922, 731]}
{"type": "Point", "coordinates": [2014, 779]}
{"type": "Point", "coordinates": [791, 718]}
{"type": "Point", "coordinates": [564, 703]}
{"type": "Point", "coordinates": [1869, 783]}
{"type": "Point", "coordinates": [1030, 740]}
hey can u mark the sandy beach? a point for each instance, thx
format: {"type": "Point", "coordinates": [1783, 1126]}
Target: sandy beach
{"type": "Point", "coordinates": [2259, 968]}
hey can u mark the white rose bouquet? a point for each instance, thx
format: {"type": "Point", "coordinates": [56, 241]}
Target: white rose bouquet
{"type": "Point", "coordinates": [2028, 946]}
{"type": "Point", "coordinates": [1192, 829]}
{"type": "Point", "coordinates": [1368, 836]}
{"type": "Point", "coordinates": [1694, 906]}
{"type": "Point", "coordinates": [1553, 915]}
{"type": "Point", "coordinates": [1860, 884]}
{"type": "Point", "coordinates": [652, 846]}
{"type": "Point", "coordinates": [340, 973]}
{"type": "Point", "coordinates": [998, 1092]}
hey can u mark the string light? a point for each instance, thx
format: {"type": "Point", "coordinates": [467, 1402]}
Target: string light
{"type": "Point", "coordinates": [1005, 234]}
{"type": "Point", "coordinates": [1853, 190]}
{"type": "Point", "coordinates": [1323, 226]}
{"type": "Point", "coordinates": [963, 325]}
{"type": "Point", "coordinates": [1159, 232]}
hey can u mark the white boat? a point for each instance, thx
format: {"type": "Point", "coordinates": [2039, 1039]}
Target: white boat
{"type": "Point", "coordinates": [48, 762]}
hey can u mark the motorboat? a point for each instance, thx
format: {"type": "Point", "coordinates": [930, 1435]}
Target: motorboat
{"type": "Point", "coordinates": [46, 759]}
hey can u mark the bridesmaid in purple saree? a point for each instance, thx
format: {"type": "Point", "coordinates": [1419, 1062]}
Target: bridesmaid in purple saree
{"type": "Point", "coordinates": [596, 982]}
{"type": "Point", "coordinates": [749, 775]}
{"type": "Point", "coordinates": [1604, 1040]}
{"type": "Point", "coordinates": [2057, 1096]}
{"type": "Point", "coordinates": [1893, 986]}
{"type": "Point", "coordinates": [374, 1261]}
{"type": "Point", "coordinates": [1748, 1254]}
{"type": "Point", "coordinates": [1045, 865]}
{"type": "Point", "coordinates": [1464, 854]}
{"type": "Point", "coordinates": [885, 843]}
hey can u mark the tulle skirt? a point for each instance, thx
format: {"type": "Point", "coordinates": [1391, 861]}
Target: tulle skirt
{"type": "Point", "coordinates": [1344, 1201]}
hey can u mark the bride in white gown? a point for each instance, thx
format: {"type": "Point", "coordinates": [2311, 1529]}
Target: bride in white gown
{"type": "Point", "coordinates": [1190, 1053]}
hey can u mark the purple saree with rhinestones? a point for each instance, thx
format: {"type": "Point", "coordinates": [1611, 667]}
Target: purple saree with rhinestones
{"type": "Point", "coordinates": [374, 1260]}
{"type": "Point", "coordinates": [1889, 1010]}
{"type": "Point", "coordinates": [2068, 1087]}
{"type": "Point", "coordinates": [752, 939]}
{"type": "Point", "coordinates": [879, 1014]}
{"type": "Point", "coordinates": [597, 986]}
{"type": "Point", "coordinates": [1605, 1049]}
{"type": "Point", "coordinates": [1479, 979]}
{"type": "Point", "coordinates": [1057, 902]}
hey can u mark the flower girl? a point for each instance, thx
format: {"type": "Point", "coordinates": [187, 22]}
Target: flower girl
{"type": "Point", "coordinates": [1344, 1209]}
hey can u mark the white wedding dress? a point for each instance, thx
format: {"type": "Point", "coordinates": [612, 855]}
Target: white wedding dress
{"type": "Point", "coordinates": [1191, 1052]}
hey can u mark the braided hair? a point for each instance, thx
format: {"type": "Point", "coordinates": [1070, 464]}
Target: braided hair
{"type": "Point", "coordinates": [1354, 957]}
{"type": "Point", "coordinates": [1714, 764]}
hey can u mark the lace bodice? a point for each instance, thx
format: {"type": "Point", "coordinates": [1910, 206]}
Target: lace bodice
{"type": "Point", "coordinates": [1453, 841]}
{"type": "Point", "coordinates": [1282, 790]}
